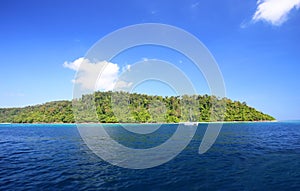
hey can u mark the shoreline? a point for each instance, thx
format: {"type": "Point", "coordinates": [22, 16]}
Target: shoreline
{"type": "Point", "coordinates": [201, 122]}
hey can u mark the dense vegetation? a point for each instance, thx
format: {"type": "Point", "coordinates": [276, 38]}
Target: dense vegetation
{"type": "Point", "coordinates": [112, 107]}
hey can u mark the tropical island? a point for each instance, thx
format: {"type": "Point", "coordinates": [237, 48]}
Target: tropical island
{"type": "Point", "coordinates": [136, 108]}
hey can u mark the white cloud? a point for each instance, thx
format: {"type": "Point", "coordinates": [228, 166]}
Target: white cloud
{"type": "Point", "coordinates": [123, 85]}
{"type": "Point", "coordinates": [126, 68]}
{"type": "Point", "coordinates": [101, 75]}
{"type": "Point", "coordinates": [274, 11]}
{"type": "Point", "coordinates": [75, 64]}
{"type": "Point", "coordinates": [145, 59]}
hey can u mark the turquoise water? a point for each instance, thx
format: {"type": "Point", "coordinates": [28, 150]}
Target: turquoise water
{"type": "Point", "coordinates": [246, 156]}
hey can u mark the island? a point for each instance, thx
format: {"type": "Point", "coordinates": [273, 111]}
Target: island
{"type": "Point", "coordinates": [137, 108]}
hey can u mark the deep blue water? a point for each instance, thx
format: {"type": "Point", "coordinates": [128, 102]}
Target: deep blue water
{"type": "Point", "coordinates": [246, 156]}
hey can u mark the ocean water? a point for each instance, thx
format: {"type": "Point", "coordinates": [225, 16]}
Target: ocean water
{"type": "Point", "coordinates": [245, 156]}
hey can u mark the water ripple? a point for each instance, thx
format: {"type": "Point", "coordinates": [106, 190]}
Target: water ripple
{"type": "Point", "coordinates": [252, 156]}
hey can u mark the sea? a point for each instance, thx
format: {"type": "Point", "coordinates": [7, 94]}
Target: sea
{"type": "Point", "coordinates": [245, 156]}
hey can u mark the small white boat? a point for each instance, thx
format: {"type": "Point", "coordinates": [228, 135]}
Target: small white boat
{"type": "Point", "coordinates": [189, 123]}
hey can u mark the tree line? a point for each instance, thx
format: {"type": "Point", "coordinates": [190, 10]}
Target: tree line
{"type": "Point", "coordinates": [123, 107]}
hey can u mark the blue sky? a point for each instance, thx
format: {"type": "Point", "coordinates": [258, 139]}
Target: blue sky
{"type": "Point", "coordinates": [256, 45]}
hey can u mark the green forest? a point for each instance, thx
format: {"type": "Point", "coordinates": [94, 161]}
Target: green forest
{"type": "Point", "coordinates": [123, 107]}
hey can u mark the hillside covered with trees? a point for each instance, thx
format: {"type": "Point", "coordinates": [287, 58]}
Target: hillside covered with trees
{"type": "Point", "coordinates": [122, 107]}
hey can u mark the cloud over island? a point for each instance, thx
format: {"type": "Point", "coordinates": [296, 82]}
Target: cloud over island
{"type": "Point", "coordinates": [99, 75]}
